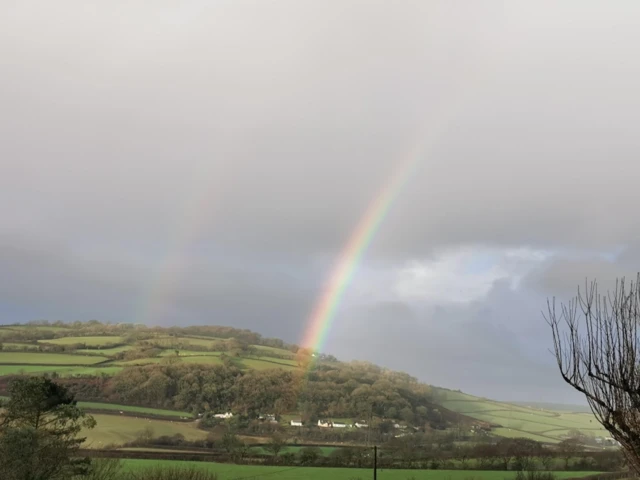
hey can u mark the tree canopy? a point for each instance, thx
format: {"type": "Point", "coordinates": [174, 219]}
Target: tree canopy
{"type": "Point", "coordinates": [39, 428]}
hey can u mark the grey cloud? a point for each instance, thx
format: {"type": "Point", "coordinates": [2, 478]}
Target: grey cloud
{"type": "Point", "coordinates": [288, 121]}
{"type": "Point", "coordinates": [46, 281]}
{"type": "Point", "coordinates": [241, 142]}
{"type": "Point", "coordinates": [496, 348]}
{"type": "Point", "coordinates": [561, 276]}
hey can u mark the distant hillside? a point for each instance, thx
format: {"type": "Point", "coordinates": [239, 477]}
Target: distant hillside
{"type": "Point", "coordinates": [548, 425]}
{"type": "Point", "coordinates": [558, 407]}
{"type": "Point", "coordinates": [217, 368]}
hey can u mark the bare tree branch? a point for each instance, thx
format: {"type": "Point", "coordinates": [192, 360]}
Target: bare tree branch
{"type": "Point", "coordinates": [597, 354]}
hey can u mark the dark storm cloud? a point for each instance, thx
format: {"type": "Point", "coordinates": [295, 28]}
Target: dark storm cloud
{"type": "Point", "coordinates": [563, 274]}
{"type": "Point", "coordinates": [218, 155]}
{"type": "Point", "coordinates": [496, 347]}
{"type": "Point", "coordinates": [47, 281]}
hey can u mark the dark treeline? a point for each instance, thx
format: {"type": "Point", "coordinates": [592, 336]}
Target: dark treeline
{"type": "Point", "coordinates": [434, 451]}
{"type": "Point", "coordinates": [330, 390]}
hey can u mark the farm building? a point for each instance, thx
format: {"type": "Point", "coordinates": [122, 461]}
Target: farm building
{"type": "Point", "coordinates": [223, 415]}
{"type": "Point", "coordinates": [330, 424]}
{"type": "Point", "coordinates": [296, 423]}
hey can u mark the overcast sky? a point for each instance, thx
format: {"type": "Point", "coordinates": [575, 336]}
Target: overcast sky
{"type": "Point", "coordinates": [204, 162]}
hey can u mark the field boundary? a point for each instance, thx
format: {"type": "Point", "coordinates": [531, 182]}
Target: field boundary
{"type": "Point", "coordinates": [125, 413]}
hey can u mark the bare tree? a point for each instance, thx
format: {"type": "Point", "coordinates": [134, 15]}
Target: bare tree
{"type": "Point", "coordinates": [596, 344]}
{"type": "Point", "coordinates": [276, 444]}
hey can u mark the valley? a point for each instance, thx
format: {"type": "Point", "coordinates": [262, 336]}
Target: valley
{"type": "Point", "coordinates": [178, 393]}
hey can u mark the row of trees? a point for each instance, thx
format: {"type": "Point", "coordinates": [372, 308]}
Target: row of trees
{"type": "Point", "coordinates": [356, 390]}
{"type": "Point", "coordinates": [422, 451]}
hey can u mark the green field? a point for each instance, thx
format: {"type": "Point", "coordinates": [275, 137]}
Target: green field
{"type": "Point", "coordinates": [152, 449]}
{"type": "Point", "coordinates": [520, 421]}
{"type": "Point", "coordinates": [207, 337]}
{"type": "Point", "coordinates": [233, 472]}
{"type": "Point", "coordinates": [211, 358]}
{"type": "Point", "coordinates": [19, 346]}
{"type": "Point", "coordinates": [133, 409]}
{"type": "Point", "coordinates": [33, 358]}
{"type": "Point", "coordinates": [274, 350]}
{"type": "Point", "coordinates": [140, 361]}
{"type": "Point", "coordinates": [264, 364]}
{"type": "Point", "coordinates": [188, 353]}
{"type": "Point", "coordinates": [203, 359]}
{"type": "Point", "coordinates": [326, 451]}
{"type": "Point", "coordinates": [107, 370]}
{"type": "Point", "coordinates": [106, 351]}
{"type": "Point", "coordinates": [118, 429]}
{"type": "Point", "coordinates": [62, 371]}
{"type": "Point", "coordinates": [277, 361]}
{"type": "Point", "coordinates": [31, 369]}
{"type": "Point", "coordinates": [128, 408]}
{"type": "Point", "coordinates": [201, 342]}
{"type": "Point", "coordinates": [88, 341]}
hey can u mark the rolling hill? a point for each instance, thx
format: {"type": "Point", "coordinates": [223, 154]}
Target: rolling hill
{"type": "Point", "coordinates": [125, 364]}
{"type": "Point", "coordinates": [550, 425]}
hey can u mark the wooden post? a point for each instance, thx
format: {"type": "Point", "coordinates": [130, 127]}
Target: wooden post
{"type": "Point", "coordinates": [375, 462]}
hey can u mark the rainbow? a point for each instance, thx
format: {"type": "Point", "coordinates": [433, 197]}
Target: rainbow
{"type": "Point", "coordinates": [157, 300]}
{"type": "Point", "coordinates": [327, 304]}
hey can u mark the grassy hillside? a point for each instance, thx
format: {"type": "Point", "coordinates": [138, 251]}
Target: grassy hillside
{"type": "Point", "coordinates": [134, 410]}
{"type": "Point", "coordinates": [36, 358]}
{"type": "Point", "coordinates": [510, 420]}
{"type": "Point", "coordinates": [97, 341]}
{"type": "Point", "coordinates": [98, 350]}
{"type": "Point", "coordinates": [118, 429]}
{"type": "Point", "coordinates": [38, 349]}
{"type": "Point", "coordinates": [558, 407]}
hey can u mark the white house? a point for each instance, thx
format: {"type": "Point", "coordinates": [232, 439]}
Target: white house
{"type": "Point", "coordinates": [361, 425]}
{"type": "Point", "coordinates": [296, 423]}
{"type": "Point", "coordinates": [339, 425]}
{"type": "Point", "coordinates": [324, 423]}
{"type": "Point", "coordinates": [223, 415]}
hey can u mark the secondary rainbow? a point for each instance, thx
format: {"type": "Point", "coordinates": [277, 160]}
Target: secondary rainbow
{"type": "Point", "coordinates": [324, 311]}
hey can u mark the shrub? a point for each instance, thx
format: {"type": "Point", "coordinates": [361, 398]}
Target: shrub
{"type": "Point", "coordinates": [104, 469]}
{"type": "Point", "coordinates": [309, 455]}
{"type": "Point", "coordinates": [288, 458]}
{"type": "Point", "coordinates": [534, 475]}
{"type": "Point", "coordinates": [172, 473]}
